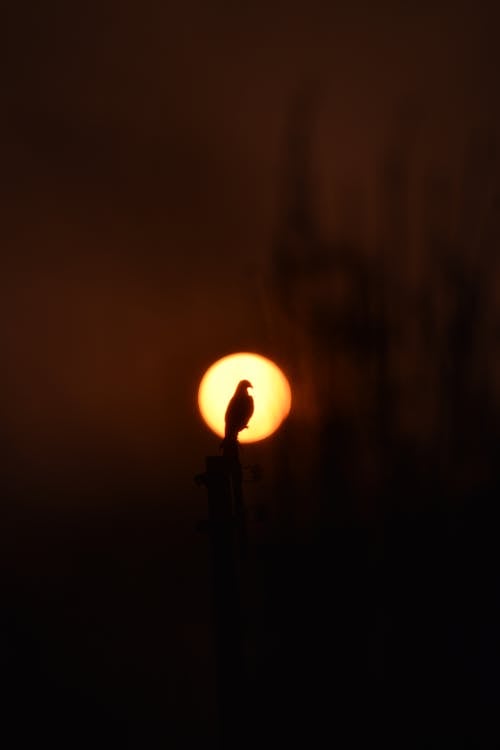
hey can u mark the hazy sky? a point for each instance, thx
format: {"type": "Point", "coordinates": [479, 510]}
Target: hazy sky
{"type": "Point", "coordinates": [142, 150]}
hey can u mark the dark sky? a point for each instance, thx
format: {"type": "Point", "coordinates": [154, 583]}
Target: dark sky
{"type": "Point", "coordinates": [143, 153]}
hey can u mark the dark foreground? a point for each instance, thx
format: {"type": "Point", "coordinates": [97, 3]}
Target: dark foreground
{"type": "Point", "coordinates": [356, 635]}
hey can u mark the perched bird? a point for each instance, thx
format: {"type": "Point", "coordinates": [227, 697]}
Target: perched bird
{"type": "Point", "coordinates": [238, 412]}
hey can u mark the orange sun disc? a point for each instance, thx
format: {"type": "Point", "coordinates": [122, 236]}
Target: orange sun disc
{"type": "Point", "coordinates": [270, 391]}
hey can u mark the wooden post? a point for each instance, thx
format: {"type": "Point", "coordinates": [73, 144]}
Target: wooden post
{"type": "Point", "coordinates": [219, 480]}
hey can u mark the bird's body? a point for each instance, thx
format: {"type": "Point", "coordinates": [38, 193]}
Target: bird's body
{"type": "Point", "coordinates": [238, 412]}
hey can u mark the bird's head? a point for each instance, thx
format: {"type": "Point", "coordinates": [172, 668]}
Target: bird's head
{"type": "Point", "coordinates": [244, 384]}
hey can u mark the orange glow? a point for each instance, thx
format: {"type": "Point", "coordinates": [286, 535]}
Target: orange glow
{"type": "Point", "coordinates": [271, 394]}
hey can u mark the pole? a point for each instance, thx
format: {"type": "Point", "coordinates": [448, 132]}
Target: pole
{"type": "Point", "coordinates": [220, 482]}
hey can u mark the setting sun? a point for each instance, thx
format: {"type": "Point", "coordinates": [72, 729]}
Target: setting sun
{"type": "Point", "coordinates": [270, 391]}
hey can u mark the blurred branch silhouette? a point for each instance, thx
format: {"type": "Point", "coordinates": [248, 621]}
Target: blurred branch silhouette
{"type": "Point", "coordinates": [402, 364]}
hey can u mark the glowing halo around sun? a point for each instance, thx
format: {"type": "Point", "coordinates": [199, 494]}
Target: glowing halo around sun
{"type": "Point", "coordinates": [271, 394]}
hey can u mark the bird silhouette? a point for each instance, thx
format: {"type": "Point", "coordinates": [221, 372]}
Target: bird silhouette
{"type": "Point", "coordinates": [239, 410]}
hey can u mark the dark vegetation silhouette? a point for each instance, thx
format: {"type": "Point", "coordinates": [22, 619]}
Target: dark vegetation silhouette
{"type": "Point", "coordinates": [382, 600]}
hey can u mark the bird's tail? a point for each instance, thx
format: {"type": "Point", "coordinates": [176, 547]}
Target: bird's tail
{"type": "Point", "coordinates": [229, 446]}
